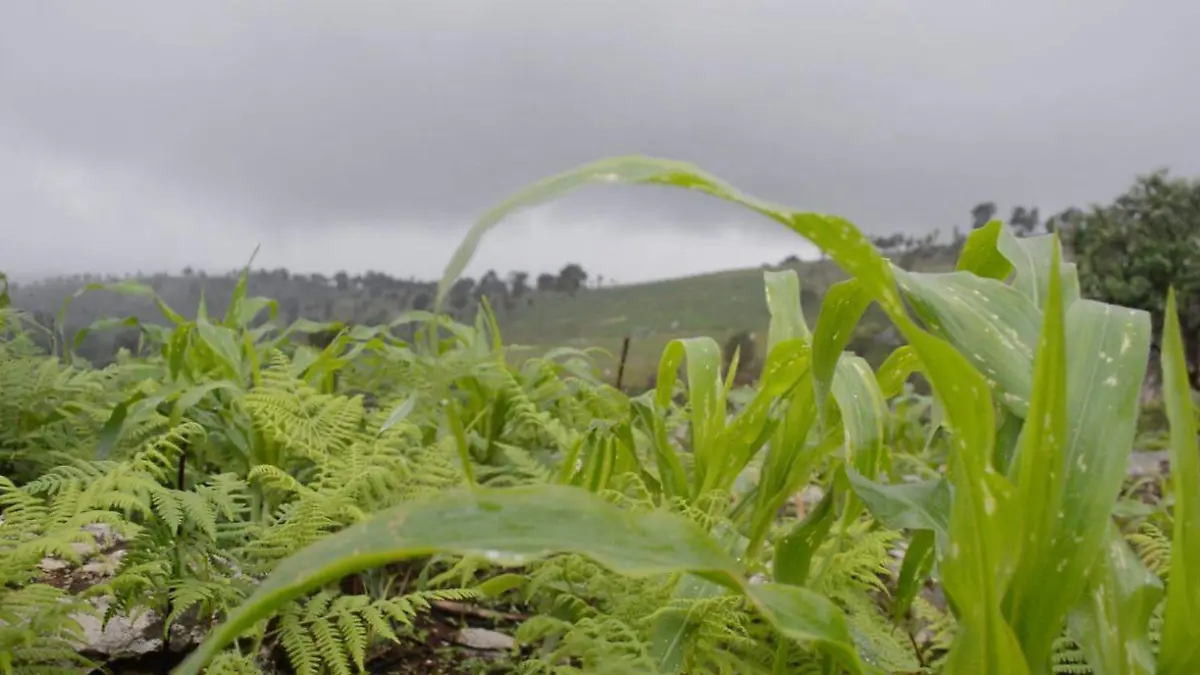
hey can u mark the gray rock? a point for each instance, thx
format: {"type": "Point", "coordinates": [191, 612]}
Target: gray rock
{"type": "Point", "coordinates": [122, 636]}
{"type": "Point", "coordinates": [49, 565]}
{"type": "Point", "coordinates": [1149, 463]}
{"type": "Point", "coordinates": [484, 639]}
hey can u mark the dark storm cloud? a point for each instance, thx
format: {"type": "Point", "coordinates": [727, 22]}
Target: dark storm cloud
{"type": "Point", "coordinates": [897, 114]}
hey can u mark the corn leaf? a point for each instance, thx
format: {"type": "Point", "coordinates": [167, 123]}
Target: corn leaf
{"type": "Point", "coordinates": [1111, 622]}
{"type": "Point", "coordinates": [841, 309]}
{"type": "Point", "coordinates": [923, 505]}
{"type": "Point", "coordinates": [896, 370]}
{"type": "Point", "coordinates": [979, 562]}
{"type": "Point", "coordinates": [1179, 651]}
{"type": "Point", "coordinates": [795, 551]}
{"type": "Point", "coordinates": [981, 257]}
{"type": "Point", "coordinates": [1031, 257]}
{"type": "Point", "coordinates": [917, 564]}
{"type": "Point", "coordinates": [1034, 606]}
{"type": "Point", "coordinates": [993, 325]}
{"type": "Point", "coordinates": [863, 411]}
{"type": "Point", "coordinates": [515, 526]}
{"type": "Point", "coordinates": [783, 303]}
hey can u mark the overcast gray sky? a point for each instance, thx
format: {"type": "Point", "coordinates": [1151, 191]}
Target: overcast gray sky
{"type": "Point", "coordinates": [367, 135]}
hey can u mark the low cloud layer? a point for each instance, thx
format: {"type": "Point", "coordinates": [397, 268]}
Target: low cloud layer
{"type": "Point", "coordinates": [132, 128]}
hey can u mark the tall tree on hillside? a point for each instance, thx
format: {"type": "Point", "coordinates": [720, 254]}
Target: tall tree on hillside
{"type": "Point", "coordinates": [342, 280]}
{"type": "Point", "coordinates": [547, 282]}
{"type": "Point", "coordinates": [1131, 251]}
{"type": "Point", "coordinates": [1065, 220]}
{"type": "Point", "coordinates": [461, 292]}
{"type": "Point", "coordinates": [982, 213]}
{"type": "Point", "coordinates": [519, 283]}
{"type": "Point", "coordinates": [1025, 221]}
{"type": "Point", "coordinates": [571, 278]}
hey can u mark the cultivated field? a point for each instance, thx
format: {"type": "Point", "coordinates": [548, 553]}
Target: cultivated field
{"type": "Point", "coordinates": [233, 497]}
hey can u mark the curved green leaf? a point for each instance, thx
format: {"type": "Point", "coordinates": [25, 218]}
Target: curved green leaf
{"type": "Point", "coordinates": [518, 525]}
{"type": "Point", "coordinates": [917, 564]}
{"type": "Point", "coordinates": [1032, 257]}
{"type": "Point", "coordinates": [1035, 606]}
{"type": "Point", "coordinates": [993, 325]}
{"type": "Point", "coordinates": [795, 551]}
{"type": "Point", "coordinates": [864, 413]}
{"type": "Point", "coordinates": [783, 303]}
{"type": "Point", "coordinates": [923, 505]}
{"type": "Point", "coordinates": [980, 255]}
{"type": "Point", "coordinates": [706, 404]}
{"type": "Point", "coordinates": [1179, 651]}
{"type": "Point", "coordinates": [896, 370]}
{"type": "Point", "coordinates": [977, 568]}
{"type": "Point", "coordinates": [841, 309]}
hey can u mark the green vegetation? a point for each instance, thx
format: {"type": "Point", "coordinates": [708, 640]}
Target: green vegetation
{"type": "Point", "coordinates": [320, 504]}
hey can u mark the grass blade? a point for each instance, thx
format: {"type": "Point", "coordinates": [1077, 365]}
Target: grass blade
{"type": "Point", "coordinates": [1179, 651]}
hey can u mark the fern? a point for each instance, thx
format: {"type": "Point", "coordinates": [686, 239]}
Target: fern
{"type": "Point", "coordinates": [39, 633]}
{"type": "Point", "coordinates": [330, 632]}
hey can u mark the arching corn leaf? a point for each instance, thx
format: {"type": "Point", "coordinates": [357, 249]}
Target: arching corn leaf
{"type": "Point", "coordinates": [976, 571]}
{"type": "Point", "coordinates": [517, 525]}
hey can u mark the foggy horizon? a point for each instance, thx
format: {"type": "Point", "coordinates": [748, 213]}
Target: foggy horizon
{"type": "Point", "coordinates": [370, 135]}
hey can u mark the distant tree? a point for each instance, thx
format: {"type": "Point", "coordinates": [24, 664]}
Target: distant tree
{"type": "Point", "coordinates": [1131, 251]}
{"type": "Point", "coordinates": [493, 287]}
{"type": "Point", "coordinates": [982, 213]}
{"type": "Point", "coordinates": [1065, 220]}
{"type": "Point", "coordinates": [1025, 221]}
{"type": "Point", "coordinates": [571, 278]}
{"type": "Point", "coordinates": [342, 280]}
{"type": "Point", "coordinates": [188, 271]}
{"type": "Point", "coordinates": [519, 283]}
{"type": "Point", "coordinates": [461, 292]}
{"type": "Point", "coordinates": [290, 308]}
{"type": "Point", "coordinates": [957, 239]}
{"type": "Point", "coordinates": [421, 301]}
{"type": "Point", "coordinates": [547, 282]}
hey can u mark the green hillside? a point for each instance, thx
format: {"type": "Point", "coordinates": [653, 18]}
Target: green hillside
{"type": "Point", "coordinates": [652, 314]}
